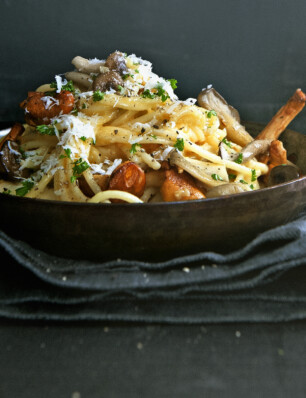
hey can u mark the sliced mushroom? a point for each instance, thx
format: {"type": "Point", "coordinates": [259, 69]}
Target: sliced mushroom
{"type": "Point", "coordinates": [116, 62]}
{"type": "Point", "coordinates": [84, 65]}
{"type": "Point", "coordinates": [226, 153]}
{"type": "Point", "coordinates": [253, 149]}
{"type": "Point", "coordinates": [10, 159]}
{"type": "Point", "coordinates": [107, 81]}
{"type": "Point", "coordinates": [282, 173]}
{"type": "Point", "coordinates": [210, 99]}
{"type": "Point", "coordinates": [197, 170]}
{"type": "Point", "coordinates": [83, 80]}
{"type": "Point", "coordinates": [227, 189]}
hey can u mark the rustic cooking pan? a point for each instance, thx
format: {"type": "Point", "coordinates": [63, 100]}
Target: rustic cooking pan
{"type": "Point", "coordinates": [157, 231]}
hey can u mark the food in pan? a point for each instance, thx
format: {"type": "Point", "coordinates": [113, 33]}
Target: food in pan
{"type": "Point", "coordinates": [113, 131]}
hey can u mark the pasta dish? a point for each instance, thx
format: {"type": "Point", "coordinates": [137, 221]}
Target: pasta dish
{"type": "Point", "coordinates": [113, 131]}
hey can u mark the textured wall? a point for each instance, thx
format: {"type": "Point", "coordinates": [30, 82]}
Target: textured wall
{"type": "Point", "coordinates": [253, 52]}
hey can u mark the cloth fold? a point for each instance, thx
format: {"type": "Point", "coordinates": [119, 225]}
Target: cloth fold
{"type": "Point", "coordinates": [263, 281]}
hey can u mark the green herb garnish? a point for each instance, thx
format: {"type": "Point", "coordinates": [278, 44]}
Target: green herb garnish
{"type": "Point", "coordinates": [124, 77]}
{"type": "Point", "coordinates": [252, 186]}
{"type": "Point", "coordinates": [211, 113]}
{"type": "Point", "coordinates": [6, 191]}
{"type": "Point", "coordinates": [98, 95]}
{"type": "Point", "coordinates": [148, 94]}
{"type": "Point", "coordinates": [75, 112]}
{"type": "Point", "coordinates": [216, 177]}
{"type": "Point", "coordinates": [67, 87]}
{"type": "Point", "coordinates": [232, 176]}
{"type": "Point", "coordinates": [134, 147]}
{"type": "Point", "coordinates": [173, 83]}
{"type": "Point", "coordinates": [120, 88]}
{"type": "Point", "coordinates": [253, 175]}
{"type": "Point", "coordinates": [45, 130]}
{"type": "Point", "coordinates": [226, 142]}
{"type": "Point", "coordinates": [83, 138]}
{"type": "Point", "coordinates": [179, 144]}
{"type": "Point", "coordinates": [161, 92]}
{"type": "Point", "coordinates": [67, 154]}
{"type": "Point", "coordinates": [79, 167]}
{"type": "Point", "coordinates": [27, 185]}
{"type": "Point", "coordinates": [243, 182]}
{"type": "Point", "coordinates": [239, 158]}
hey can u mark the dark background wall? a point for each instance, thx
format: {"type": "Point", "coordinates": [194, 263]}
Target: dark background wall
{"type": "Point", "coordinates": [253, 52]}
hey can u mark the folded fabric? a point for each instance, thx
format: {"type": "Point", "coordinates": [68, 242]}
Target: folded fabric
{"type": "Point", "coordinates": [263, 281]}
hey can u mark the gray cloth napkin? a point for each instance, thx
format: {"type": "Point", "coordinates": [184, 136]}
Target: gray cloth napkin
{"type": "Point", "coordinates": [263, 281]}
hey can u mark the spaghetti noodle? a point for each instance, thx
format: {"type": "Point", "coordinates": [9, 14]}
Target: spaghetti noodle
{"type": "Point", "coordinates": [123, 124]}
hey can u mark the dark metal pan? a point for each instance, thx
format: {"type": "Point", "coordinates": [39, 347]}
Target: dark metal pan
{"type": "Point", "coordinates": [160, 230]}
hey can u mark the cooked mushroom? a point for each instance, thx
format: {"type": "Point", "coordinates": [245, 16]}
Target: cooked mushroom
{"type": "Point", "coordinates": [116, 62]}
{"type": "Point", "coordinates": [210, 99]}
{"type": "Point", "coordinates": [13, 134]}
{"type": "Point", "coordinates": [10, 159]}
{"type": "Point", "coordinates": [226, 189]}
{"type": "Point", "coordinates": [107, 81]}
{"type": "Point", "coordinates": [196, 170]}
{"type": "Point", "coordinates": [179, 186]}
{"type": "Point", "coordinates": [83, 80]}
{"type": "Point", "coordinates": [282, 173]}
{"type": "Point", "coordinates": [128, 177]}
{"type": "Point", "coordinates": [86, 66]}
{"type": "Point", "coordinates": [39, 111]}
{"type": "Point", "coordinates": [254, 148]}
{"type": "Point", "coordinates": [226, 153]}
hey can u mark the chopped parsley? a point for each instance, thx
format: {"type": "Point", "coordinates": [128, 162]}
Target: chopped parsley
{"type": "Point", "coordinates": [75, 112]}
{"type": "Point", "coordinates": [136, 70]}
{"type": "Point", "coordinates": [45, 130]}
{"type": "Point", "coordinates": [239, 158]}
{"type": "Point", "coordinates": [6, 191]}
{"type": "Point", "coordinates": [23, 154]}
{"type": "Point", "coordinates": [153, 136]}
{"type": "Point", "coordinates": [216, 177]}
{"type": "Point", "coordinates": [27, 185]}
{"type": "Point", "coordinates": [179, 144]}
{"type": "Point", "coordinates": [83, 138]}
{"type": "Point", "coordinates": [124, 77]}
{"type": "Point", "coordinates": [120, 88]}
{"type": "Point", "coordinates": [84, 105]}
{"type": "Point", "coordinates": [148, 94]}
{"type": "Point", "coordinates": [161, 92]}
{"type": "Point", "coordinates": [173, 83]}
{"type": "Point", "coordinates": [67, 87]}
{"type": "Point", "coordinates": [67, 154]}
{"type": "Point", "coordinates": [243, 182]}
{"type": "Point", "coordinates": [232, 176]}
{"type": "Point", "coordinates": [252, 186]}
{"type": "Point", "coordinates": [211, 113]}
{"type": "Point", "coordinates": [253, 175]}
{"type": "Point", "coordinates": [98, 95]}
{"type": "Point", "coordinates": [79, 167]}
{"type": "Point", "coordinates": [134, 147]}
{"type": "Point", "coordinates": [226, 142]}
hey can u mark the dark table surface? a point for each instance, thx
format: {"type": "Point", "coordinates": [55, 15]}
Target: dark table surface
{"type": "Point", "coordinates": [102, 360]}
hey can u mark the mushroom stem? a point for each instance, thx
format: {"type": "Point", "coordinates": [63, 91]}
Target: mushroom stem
{"type": "Point", "coordinates": [84, 65]}
{"type": "Point", "coordinates": [283, 117]}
